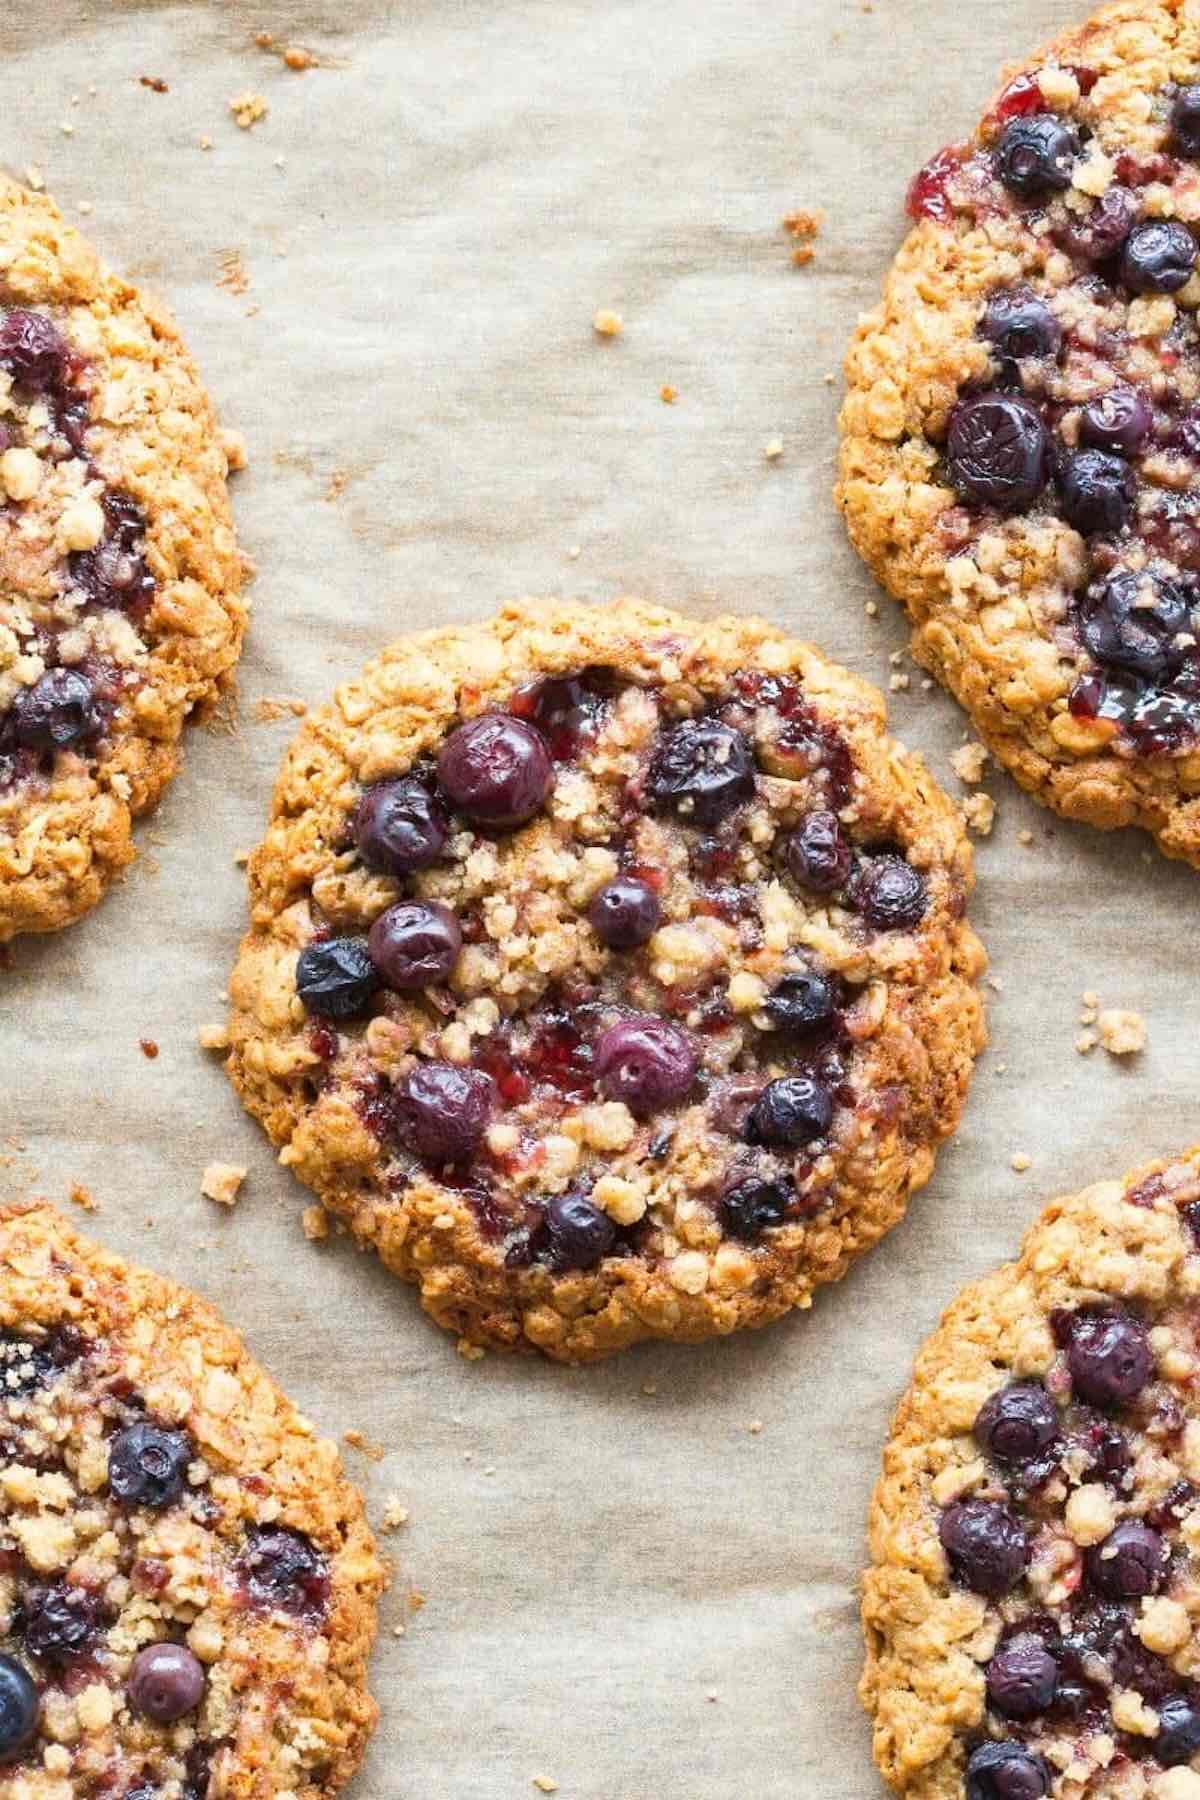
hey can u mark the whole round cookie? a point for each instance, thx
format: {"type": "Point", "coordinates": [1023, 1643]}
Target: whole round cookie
{"type": "Point", "coordinates": [1021, 436]}
{"type": "Point", "coordinates": [1033, 1611]}
{"type": "Point", "coordinates": [608, 973]}
{"type": "Point", "coordinates": [119, 575]}
{"type": "Point", "coordinates": [187, 1581]}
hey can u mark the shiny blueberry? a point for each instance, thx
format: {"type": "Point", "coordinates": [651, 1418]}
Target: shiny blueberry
{"type": "Point", "coordinates": [1178, 1737]}
{"type": "Point", "coordinates": [1021, 1678]}
{"type": "Point", "coordinates": [443, 1111]}
{"type": "Point", "coordinates": [147, 1465]}
{"type": "Point", "coordinates": [890, 894]}
{"type": "Point", "coordinates": [56, 712]}
{"type": "Point", "coordinates": [1020, 325]}
{"type": "Point", "coordinates": [61, 1623]}
{"type": "Point", "coordinates": [818, 853]}
{"type": "Point", "coordinates": [986, 1546]}
{"type": "Point", "coordinates": [415, 944]}
{"type": "Point", "coordinates": [753, 1205]}
{"type": "Point", "coordinates": [496, 770]}
{"type": "Point", "coordinates": [1133, 621]}
{"type": "Point", "coordinates": [1158, 257]}
{"type": "Point", "coordinates": [1098, 235]}
{"type": "Point", "coordinates": [792, 1111]}
{"type": "Point", "coordinates": [283, 1568]}
{"type": "Point", "coordinates": [579, 1233]}
{"type": "Point", "coordinates": [400, 826]}
{"type": "Point", "coordinates": [1017, 1422]}
{"type": "Point", "coordinates": [32, 349]}
{"type": "Point", "coordinates": [1097, 492]}
{"type": "Point", "coordinates": [645, 1061]}
{"type": "Point", "coordinates": [624, 913]}
{"type": "Point", "coordinates": [701, 771]}
{"type": "Point", "coordinates": [1005, 1771]}
{"type": "Point", "coordinates": [1185, 121]}
{"type": "Point", "coordinates": [1118, 421]}
{"type": "Point", "coordinates": [165, 1682]}
{"type": "Point", "coordinates": [18, 1709]}
{"type": "Point", "coordinates": [998, 451]}
{"type": "Point", "coordinates": [1109, 1357]}
{"type": "Point", "coordinates": [801, 1003]}
{"type": "Point", "coordinates": [1034, 156]}
{"type": "Point", "coordinates": [1131, 1562]}
{"type": "Point", "coordinates": [336, 979]}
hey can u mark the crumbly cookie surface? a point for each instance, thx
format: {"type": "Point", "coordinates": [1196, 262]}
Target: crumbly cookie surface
{"type": "Point", "coordinates": [1032, 1614]}
{"type": "Point", "coordinates": [187, 1580]}
{"type": "Point", "coordinates": [1021, 432]}
{"type": "Point", "coordinates": [119, 574]}
{"type": "Point", "coordinates": [608, 973]}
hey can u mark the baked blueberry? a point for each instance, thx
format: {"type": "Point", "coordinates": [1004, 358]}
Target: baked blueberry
{"type": "Point", "coordinates": [701, 771]}
{"type": "Point", "coordinates": [147, 1465]}
{"type": "Point", "coordinates": [164, 1682]}
{"type": "Point", "coordinates": [890, 894]}
{"type": "Point", "coordinates": [281, 1567]}
{"type": "Point", "coordinates": [400, 826]}
{"type": "Point", "coordinates": [18, 1709]}
{"type": "Point", "coordinates": [1185, 121]}
{"type": "Point", "coordinates": [646, 1062]}
{"type": "Point", "coordinates": [624, 913]}
{"type": "Point", "coordinates": [986, 1546]}
{"type": "Point", "coordinates": [57, 711]}
{"type": "Point", "coordinates": [442, 1111]}
{"type": "Point", "coordinates": [336, 979]}
{"type": "Point", "coordinates": [61, 1623]}
{"type": "Point", "coordinates": [1006, 1771]}
{"type": "Point", "coordinates": [496, 770]}
{"type": "Point", "coordinates": [1016, 1423]}
{"type": "Point", "coordinates": [1158, 257]}
{"type": "Point", "coordinates": [818, 853]}
{"type": "Point", "coordinates": [801, 1003]}
{"type": "Point", "coordinates": [998, 451]}
{"type": "Point", "coordinates": [753, 1205]}
{"type": "Point", "coordinates": [1178, 1737]}
{"type": "Point", "coordinates": [1131, 1562]}
{"type": "Point", "coordinates": [30, 1363]}
{"type": "Point", "coordinates": [1098, 235]}
{"type": "Point", "coordinates": [578, 1232]}
{"type": "Point", "coordinates": [32, 349]}
{"type": "Point", "coordinates": [1034, 156]}
{"type": "Point", "coordinates": [792, 1111]}
{"type": "Point", "coordinates": [1097, 491]}
{"type": "Point", "coordinates": [1118, 421]}
{"type": "Point", "coordinates": [1133, 621]}
{"type": "Point", "coordinates": [1109, 1357]}
{"type": "Point", "coordinates": [414, 944]}
{"type": "Point", "coordinates": [1020, 325]}
{"type": "Point", "coordinates": [1021, 1678]}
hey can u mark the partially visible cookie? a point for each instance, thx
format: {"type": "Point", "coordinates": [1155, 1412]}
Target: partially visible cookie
{"type": "Point", "coordinates": [1033, 1610]}
{"type": "Point", "coordinates": [1021, 434]}
{"type": "Point", "coordinates": [119, 575]}
{"type": "Point", "coordinates": [187, 1581]}
{"type": "Point", "coordinates": [608, 973]}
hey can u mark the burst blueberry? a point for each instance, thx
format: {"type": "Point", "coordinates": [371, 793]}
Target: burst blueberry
{"type": "Point", "coordinates": [1118, 421]}
{"type": "Point", "coordinates": [32, 349]}
{"type": "Point", "coordinates": [578, 1232]}
{"type": "Point", "coordinates": [801, 1002]}
{"type": "Point", "coordinates": [1097, 492]}
{"type": "Point", "coordinates": [818, 853]}
{"type": "Point", "coordinates": [336, 979]}
{"type": "Point", "coordinates": [442, 1111]}
{"type": "Point", "coordinates": [59, 710]}
{"type": "Point", "coordinates": [1178, 1738]}
{"type": "Point", "coordinates": [1134, 621]}
{"type": "Point", "coordinates": [62, 1623]}
{"type": "Point", "coordinates": [755, 1204]}
{"type": "Point", "coordinates": [701, 771]}
{"type": "Point", "coordinates": [998, 451]}
{"type": "Point", "coordinates": [986, 1545]}
{"type": "Point", "coordinates": [283, 1568]}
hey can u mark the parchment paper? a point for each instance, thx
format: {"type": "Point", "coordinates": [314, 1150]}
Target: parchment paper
{"type": "Point", "coordinates": [631, 1593]}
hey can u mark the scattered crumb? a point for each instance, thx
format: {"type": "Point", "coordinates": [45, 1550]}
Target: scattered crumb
{"type": "Point", "coordinates": [995, 983]}
{"type": "Point", "coordinates": [357, 1441]}
{"type": "Point", "coordinates": [872, 609]}
{"type": "Point", "coordinates": [773, 449]}
{"type": "Point", "coordinates": [968, 763]}
{"type": "Point", "coordinates": [1090, 998]}
{"type": "Point", "coordinates": [470, 1352]}
{"type": "Point", "coordinates": [979, 812]}
{"type": "Point", "coordinates": [754, 1427]}
{"type": "Point", "coordinates": [149, 1048]}
{"type": "Point", "coordinates": [34, 177]}
{"type": "Point", "coordinates": [213, 1037]}
{"type": "Point", "coordinates": [649, 1387]}
{"type": "Point", "coordinates": [802, 227]}
{"type": "Point", "coordinates": [83, 1198]}
{"type": "Point", "coordinates": [85, 206]}
{"type": "Point", "coordinates": [242, 857]}
{"type": "Point", "coordinates": [221, 1182]}
{"type": "Point", "coordinates": [416, 1600]}
{"type": "Point", "coordinates": [545, 1785]}
{"type": "Point", "coordinates": [1086, 1042]}
{"type": "Point", "coordinates": [607, 324]}
{"type": "Point", "coordinates": [1025, 838]}
{"type": "Point", "coordinates": [297, 57]}
{"type": "Point", "coordinates": [394, 1514]}
{"type": "Point", "coordinates": [898, 682]}
{"type": "Point", "coordinates": [67, 129]}
{"type": "Point", "coordinates": [248, 109]}
{"type": "Point", "coordinates": [575, 552]}
{"type": "Point", "coordinates": [232, 274]}
{"type": "Point", "coordinates": [667, 394]}
{"type": "Point", "coordinates": [155, 82]}
{"type": "Point", "coordinates": [234, 446]}
{"type": "Point", "coordinates": [279, 706]}
{"type": "Point", "coordinates": [712, 1696]}
{"type": "Point", "coordinates": [1002, 1068]}
{"type": "Point", "coordinates": [205, 143]}
{"type": "Point", "coordinates": [1021, 1162]}
{"type": "Point", "coordinates": [314, 1221]}
{"type": "Point", "coordinates": [1122, 1033]}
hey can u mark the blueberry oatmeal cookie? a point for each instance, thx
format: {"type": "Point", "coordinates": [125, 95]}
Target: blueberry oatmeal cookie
{"type": "Point", "coordinates": [119, 575]}
{"type": "Point", "coordinates": [1033, 1610]}
{"type": "Point", "coordinates": [608, 973]}
{"type": "Point", "coordinates": [187, 1581]}
{"type": "Point", "coordinates": [1021, 436]}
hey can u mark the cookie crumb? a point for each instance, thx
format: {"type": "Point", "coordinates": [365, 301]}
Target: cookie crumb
{"type": "Point", "coordinates": [221, 1182]}
{"type": "Point", "coordinates": [83, 1198]}
{"type": "Point", "coordinates": [34, 178]}
{"type": "Point", "coordinates": [232, 274]}
{"type": "Point", "coordinates": [149, 1048]}
{"type": "Point", "coordinates": [205, 143]}
{"type": "Point", "coordinates": [898, 682]}
{"type": "Point", "coordinates": [607, 324]}
{"type": "Point", "coordinates": [1021, 1162]}
{"type": "Point", "coordinates": [773, 449]}
{"type": "Point", "coordinates": [649, 1388]}
{"type": "Point", "coordinates": [545, 1784]}
{"type": "Point", "coordinates": [1025, 838]}
{"type": "Point", "coordinates": [1086, 1042]}
{"type": "Point", "coordinates": [1122, 1033]}
{"type": "Point", "coordinates": [279, 706]}
{"type": "Point", "coordinates": [297, 57]}
{"type": "Point", "coordinates": [667, 394]}
{"type": "Point", "coordinates": [155, 83]}
{"type": "Point", "coordinates": [248, 109]}
{"type": "Point", "coordinates": [968, 763]}
{"type": "Point", "coordinates": [213, 1037]}
{"type": "Point", "coordinates": [357, 1440]}
{"type": "Point", "coordinates": [314, 1222]}
{"type": "Point", "coordinates": [416, 1600]}
{"type": "Point", "coordinates": [872, 609]}
{"type": "Point", "coordinates": [979, 814]}
{"type": "Point", "coordinates": [755, 1427]}
{"type": "Point", "coordinates": [802, 227]}
{"type": "Point", "coordinates": [394, 1514]}
{"type": "Point", "coordinates": [470, 1352]}
{"type": "Point", "coordinates": [234, 446]}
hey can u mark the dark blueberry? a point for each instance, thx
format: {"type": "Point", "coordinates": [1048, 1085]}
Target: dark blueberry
{"type": "Point", "coordinates": [998, 451]}
{"type": "Point", "coordinates": [818, 854]}
{"type": "Point", "coordinates": [26, 1364]}
{"type": "Point", "coordinates": [115, 572]}
{"type": "Point", "coordinates": [1185, 121]}
{"type": "Point", "coordinates": [281, 1567]}
{"type": "Point", "coordinates": [1097, 492]}
{"type": "Point", "coordinates": [1178, 1737]}
{"type": "Point", "coordinates": [1105, 1446]}
{"type": "Point", "coordinates": [1017, 1422]}
{"type": "Point", "coordinates": [645, 1062]}
{"type": "Point", "coordinates": [1034, 156]}
{"type": "Point", "coordinates": [400, 827]}
{"type": "Point", "coordinates": [165, 1682]}
{"type": "Point", "coordinates": [336, 979]}
{"type": "Point", "coordinates": [56, 712]}
{"type": "Point", "coordinates": [1099, 234]}
{"type": "Point", "coordinates": [579, 1233]}
{"type": "Point", "coordinates": [147, 1465]}
{"type": "Point", "coordinates": [32, 349]}
{"type": "Point", "coordinates": [801, 1002]}
{"type": "Point", "coordinates": [442, 1111]}
{"type": "Point", "coordinates": [1005, 1771]}
{"type": "Point", "coordinates": [1118, 421]}
{"type": "Point", "coordinates": [1109, 1357]}
{"type": "Point", "coordinates": [701, 771]}
{"type": "Point", "coordinates": [986, 1545]}
{"type": "Point", "coordinates": [793, 1110]}
{"type": "Point", "coordinates": [754, 1205]}
{"type": "Point", "coordinates": [18, 1709]}
{"type": "Point", "coordinates": [1131, 1561]}
{"type": "Point", "coordinates": [415, 944]}
{"type": "Point", "coordinates": [624, 913]}
{"type": "Point", "coordinates": [1158, 257]}
{"type": "Point", "coordinates": [61, 1623]}
{"type": "Point", "coordinates": [1021, 325]}
{"type": "Point", "coordinates": [1133, 621]}
{"type": "Point", "coordinates": [1021, 1678]}
{"type": "Point", "coordinates": [496, 770]}
{"type": "Point", "coordinates": [890, 894]}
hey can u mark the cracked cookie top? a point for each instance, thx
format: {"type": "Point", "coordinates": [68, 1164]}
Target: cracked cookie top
{"type": "Point", "coordinates": [1021, 434]}
{"type": "Point", "coordinates": [187, 1581]}
{"type": "Point", "coordinates": [608, 972]}
{"type": "Point", "coordinates": [118, 569]}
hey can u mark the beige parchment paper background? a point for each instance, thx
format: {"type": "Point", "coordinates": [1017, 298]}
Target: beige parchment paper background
{"type": "Point", "coordinates": [631, 1593]}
